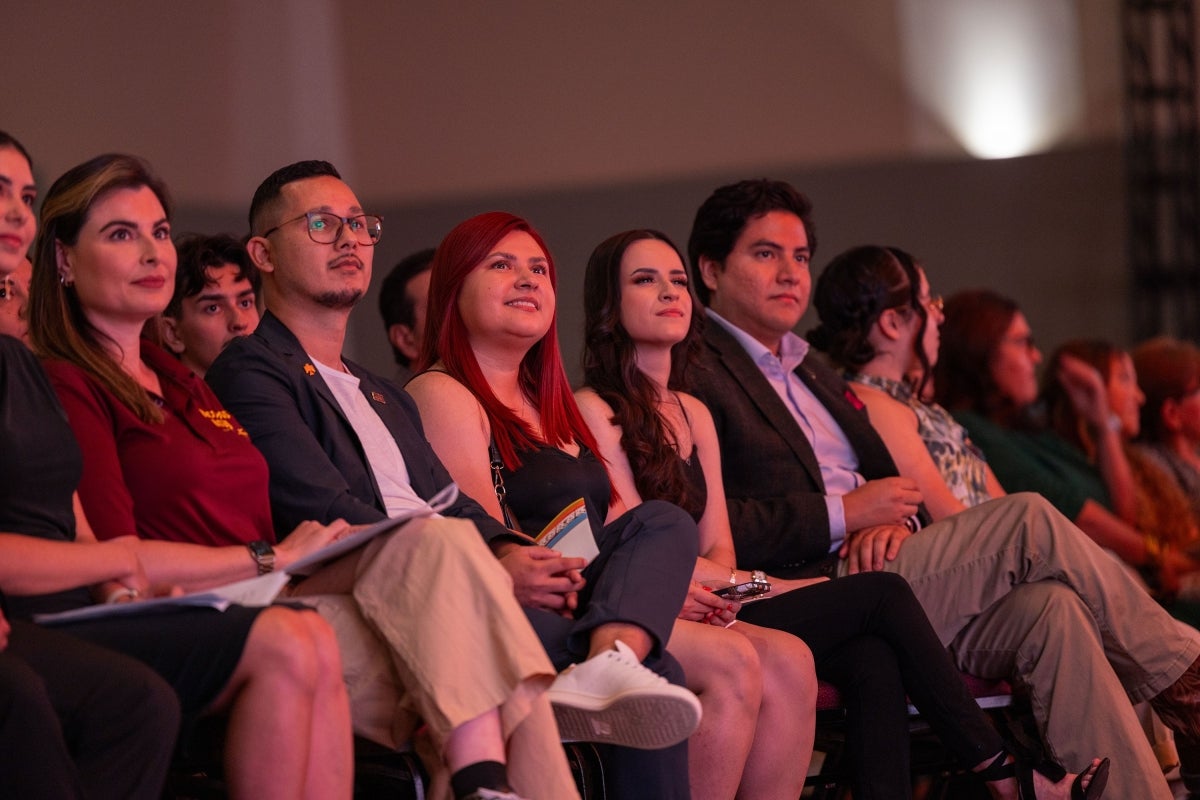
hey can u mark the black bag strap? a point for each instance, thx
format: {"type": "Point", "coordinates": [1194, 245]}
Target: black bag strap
{"type": "Point", "coordinates": [498, 484]}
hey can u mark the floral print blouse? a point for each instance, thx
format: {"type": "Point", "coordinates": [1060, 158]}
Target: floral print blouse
{"type": "Point", "coordinates": [960, 462]}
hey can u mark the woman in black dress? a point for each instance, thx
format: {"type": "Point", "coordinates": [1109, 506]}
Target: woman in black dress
{"type": "Point", "coordinates": [867, 631]}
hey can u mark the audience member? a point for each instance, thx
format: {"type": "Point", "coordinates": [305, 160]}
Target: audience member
{"type": "Point", "coordinates": [78, 720]}
{"type": "Point", "coordinates": [342, 442]}
{"type": "Point", "coordinates": [1090, 394]}
{"type": "Point", "coordinates": [880, 324]}
{"type": "Point", "coordinates": [75, 719]}
{"type": "Point", "coordinates": [986, 377]}
{"type": "Point", "coordinates": [275, 671]}
{"type": "Point", "coordinates": [1169, 376]}
{"type": "Point", "coordinates": [1010, 586]}
{"type": "Point", "coordinates": [218, 496]}
{"type": "Point", "coordinates": [215, 299]}
{"type": "Point", "coordinates": [403, 298]}
{"type": "Point", "coordinates": [869, 634]}
{"type": "Point", "coordinates": [493, 363]}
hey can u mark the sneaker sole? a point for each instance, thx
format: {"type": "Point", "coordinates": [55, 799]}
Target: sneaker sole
{"type": "Point", "coordinates": [648, 721]}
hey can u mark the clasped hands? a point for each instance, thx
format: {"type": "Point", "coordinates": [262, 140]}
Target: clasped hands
{"type": "Point", "coordinates": [876, 513]}
{"type": "Point", "coordinates": [544, 578]}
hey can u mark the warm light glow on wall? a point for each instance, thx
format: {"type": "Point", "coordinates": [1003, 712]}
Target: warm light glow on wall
{"type": "Point", "coordinates": [1003, 76]}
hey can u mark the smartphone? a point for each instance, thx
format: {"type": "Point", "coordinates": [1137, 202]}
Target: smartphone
{"type": "Point", "coordinates": [743, 591]}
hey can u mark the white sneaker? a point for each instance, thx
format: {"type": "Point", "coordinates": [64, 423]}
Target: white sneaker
{"type": "Point", "coordinates": [492, 794]}
{"type": "Point", "coordinates": [612, 698]}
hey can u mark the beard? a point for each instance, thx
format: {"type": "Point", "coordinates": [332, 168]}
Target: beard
{"type": "Point", "coordinates": [345, 298]}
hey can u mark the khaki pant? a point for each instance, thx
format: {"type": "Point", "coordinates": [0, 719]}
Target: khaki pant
{"type": "Point", "coordinates": [430, 631]}
{"type": "Point", "coordinates": [1014, 589]}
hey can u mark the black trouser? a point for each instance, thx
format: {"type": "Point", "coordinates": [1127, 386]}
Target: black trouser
{"type": "Point", "coordinates": [871, 639]}
{"type": "Point", "coordinates": [78, 720]}
{"type": "Point", "coordinates": [641, 577]}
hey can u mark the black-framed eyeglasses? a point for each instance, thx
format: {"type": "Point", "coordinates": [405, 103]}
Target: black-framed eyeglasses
{"type": "Point", "coordinates": [325, 228]}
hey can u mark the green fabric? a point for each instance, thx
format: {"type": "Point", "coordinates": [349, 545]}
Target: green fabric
{"type": "Point", "coordinates": [1040, 462]}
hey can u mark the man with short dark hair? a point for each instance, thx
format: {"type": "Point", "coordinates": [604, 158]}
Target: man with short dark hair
{"type": "Point", "coordinates": [402, 301]}
{"type": "Point", "coordinates": [215, 300]}
{"type": "Point", "coordinates": [1012, 587]}
{"type": "Point", "coordinates": [344, 443]}
{"type": "Point", "coordinates": [405, 606]}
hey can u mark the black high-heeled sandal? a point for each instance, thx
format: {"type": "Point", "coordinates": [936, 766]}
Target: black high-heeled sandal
{"type": "Point", "coordinates": [1023, 772]}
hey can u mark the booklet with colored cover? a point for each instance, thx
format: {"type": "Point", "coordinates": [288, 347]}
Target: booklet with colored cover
{"type": "Point", "coordinates": [259, 591]}
{"type": "Point", "coordinates": [570, 533]}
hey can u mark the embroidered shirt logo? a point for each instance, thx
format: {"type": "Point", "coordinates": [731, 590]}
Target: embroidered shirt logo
{"type": "Point", "coordinates": [221, 419]}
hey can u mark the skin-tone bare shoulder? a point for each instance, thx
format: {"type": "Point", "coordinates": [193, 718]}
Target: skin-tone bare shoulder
{"type": "Point", "coordinates": [457, 428]}
{"type": "Point", "coordinates": [896, 423]}
{"type": "Point", "coordinates": [598, 416]}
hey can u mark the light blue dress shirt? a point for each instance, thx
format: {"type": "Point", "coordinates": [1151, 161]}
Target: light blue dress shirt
{"type": "Point", "coordinates": [839, 462]}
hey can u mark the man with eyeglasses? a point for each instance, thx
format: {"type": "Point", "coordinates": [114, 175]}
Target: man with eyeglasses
{"type": "Point", "coordinates": [406, 645]}
{"type": "Point", "coordinates": [343, 443]}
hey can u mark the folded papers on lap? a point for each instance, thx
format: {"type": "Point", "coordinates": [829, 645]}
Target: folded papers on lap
{"type": "Point", "coordinates": [261, 590]}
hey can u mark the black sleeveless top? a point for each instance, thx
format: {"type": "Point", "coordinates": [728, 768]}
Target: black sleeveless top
{"type": "Point", "coordinates": [40, 466]}
{"type": "Point", "coordinates": [693, 473]}
{"type": "Point", "coordinates": [548, 480]}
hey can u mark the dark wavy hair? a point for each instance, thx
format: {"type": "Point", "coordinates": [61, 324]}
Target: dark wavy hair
{"type": "Point", "coordinates": [856, 287]}
{"type": "Point", "coordinates": [610, 369]}
{"type": "Point", "coordinates": [721, 219]}
{"type": "Point", "coordinates": [195, 254]}
{"type": "Point", "coordinates": [973, 327]}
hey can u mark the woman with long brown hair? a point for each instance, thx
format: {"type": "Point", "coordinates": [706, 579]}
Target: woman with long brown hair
{"type": "Point", "coordinates": [868, 633]}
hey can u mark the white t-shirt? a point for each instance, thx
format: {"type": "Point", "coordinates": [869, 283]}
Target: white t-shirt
{"type": "Point", "coordinates": [383, 455]}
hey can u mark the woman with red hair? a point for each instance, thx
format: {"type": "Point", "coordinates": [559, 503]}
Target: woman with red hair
{"type": "Point", "coordinates": [495, 382]}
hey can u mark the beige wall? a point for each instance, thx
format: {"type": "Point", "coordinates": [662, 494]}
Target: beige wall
{"type": "Point", "coordinates": [595, 116]}
{"type": "Point", "coordinates": [434, 100]}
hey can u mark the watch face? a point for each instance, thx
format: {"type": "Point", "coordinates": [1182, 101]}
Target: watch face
{"type": "Point", "coordinates": [261, 548]}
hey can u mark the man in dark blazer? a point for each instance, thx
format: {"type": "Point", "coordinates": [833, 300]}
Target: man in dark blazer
{"type": "Point", "coordinates": [344, 443]}
{"type": "Point", "coordinates": [1013, 589]}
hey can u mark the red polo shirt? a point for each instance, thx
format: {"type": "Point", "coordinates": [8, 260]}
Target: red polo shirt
{"type": "Point", "coordinates": [194, 478]}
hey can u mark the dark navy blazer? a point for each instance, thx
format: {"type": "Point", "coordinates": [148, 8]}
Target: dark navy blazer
{"type": "Point", "coordinates": [772, 478]}
{"type": "Point", "coordinates": [318, 467]}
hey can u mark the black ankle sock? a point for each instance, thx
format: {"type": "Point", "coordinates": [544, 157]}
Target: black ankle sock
{"type": "Point", "coordinates": [480, 775]}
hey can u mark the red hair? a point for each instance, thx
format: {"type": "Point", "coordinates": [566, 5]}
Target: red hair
{"type": "Point", "coordinates": [542, 377]}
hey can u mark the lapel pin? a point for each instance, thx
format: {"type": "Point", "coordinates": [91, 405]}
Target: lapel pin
{"type": "Point", "coordinates": [378, 398]}
{"type": "Point", "coordinates": [310, 370]}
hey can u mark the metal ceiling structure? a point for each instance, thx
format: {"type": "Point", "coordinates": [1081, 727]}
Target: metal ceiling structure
{"type": "Point", "coordinates": [1163, 166]}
